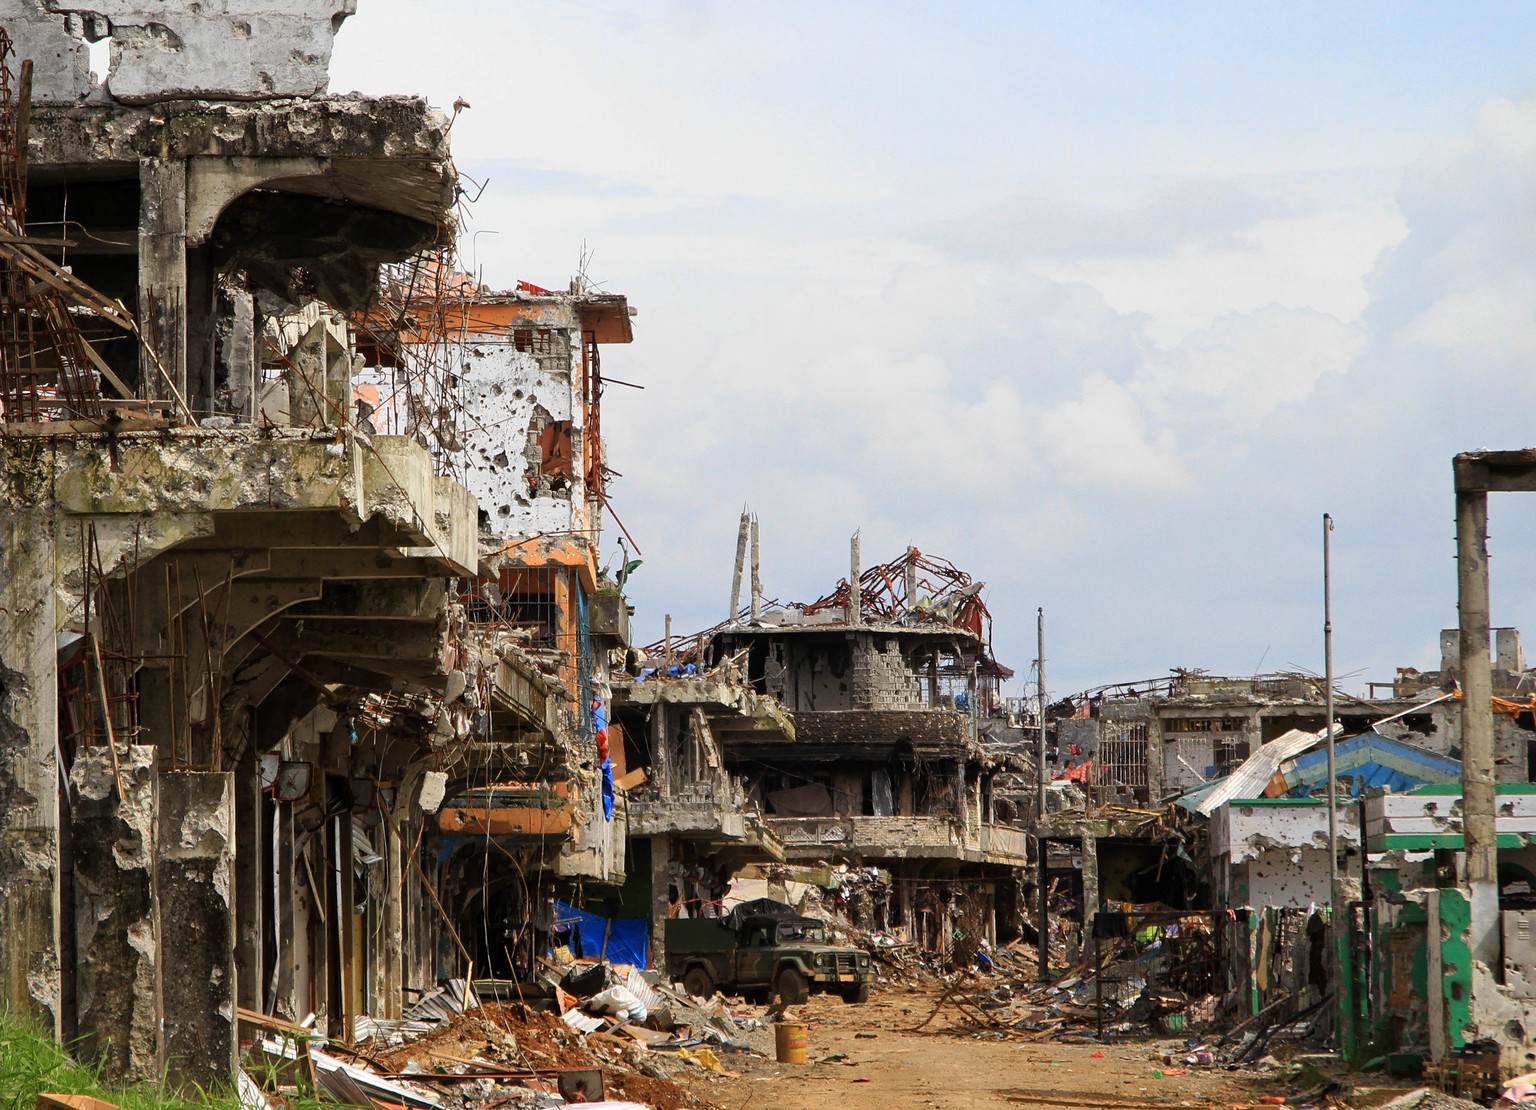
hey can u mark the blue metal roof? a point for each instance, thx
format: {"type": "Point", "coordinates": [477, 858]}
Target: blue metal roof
{"type": "Point", "coordinates": [1370, 760]}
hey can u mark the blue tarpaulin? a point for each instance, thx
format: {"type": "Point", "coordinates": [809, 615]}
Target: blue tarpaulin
{"type": "Point", "coordinates": [617, 940]}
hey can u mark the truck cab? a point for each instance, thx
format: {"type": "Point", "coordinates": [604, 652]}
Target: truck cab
{"type": "Point", "coordinates": [760, 954]}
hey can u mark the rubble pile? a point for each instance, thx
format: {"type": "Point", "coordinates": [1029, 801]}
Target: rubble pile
{"type": "Point", "coordinates": [901, 961]}
{"type": "Point", "coordinates": [596, 1034]}
{"type": "Point", "coordinates": [1004, 996]}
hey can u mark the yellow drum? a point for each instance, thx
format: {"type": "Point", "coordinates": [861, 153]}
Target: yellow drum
{"type": "Point", "coordinates": [789, 1040]}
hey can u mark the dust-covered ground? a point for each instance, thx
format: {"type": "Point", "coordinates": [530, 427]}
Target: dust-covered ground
{"type": "Point", "coordinates": [868, 1057]}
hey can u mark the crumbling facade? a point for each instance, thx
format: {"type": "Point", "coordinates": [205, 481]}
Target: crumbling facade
{"type": "Point", "coordinates": [688, 811]}
{"type": "Point", "coordinates": [267, 667]}
{"type": "Point", "coordinates": [885, 680]}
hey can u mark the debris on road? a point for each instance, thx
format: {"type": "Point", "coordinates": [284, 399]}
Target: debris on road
{"type": "Point", "coordinates": [597, 1032]}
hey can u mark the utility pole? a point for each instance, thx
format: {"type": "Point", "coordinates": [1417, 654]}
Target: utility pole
{"type": "Point", "coordinates": [1333, 801]}
{"type": "Point", "coordinates": [1337, 913]}
{"type": "Point", "coordinates": [1044, 954]}
{"type": "Point", "coordinates": [1040, 708]}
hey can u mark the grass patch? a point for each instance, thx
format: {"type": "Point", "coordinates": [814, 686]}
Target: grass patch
{"type": "Point", "coordinates": [31, 1063]}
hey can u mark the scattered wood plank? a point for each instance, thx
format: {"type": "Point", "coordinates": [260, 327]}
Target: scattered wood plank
{"type": "Point", "coordinates": [74, 1102]}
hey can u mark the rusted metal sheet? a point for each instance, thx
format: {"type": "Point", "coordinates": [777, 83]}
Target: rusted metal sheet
{"type": "Point", "coordinates": [511, 809]}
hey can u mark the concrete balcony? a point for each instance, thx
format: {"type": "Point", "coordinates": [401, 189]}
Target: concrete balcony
{"type": "Point", "coordinates": [701, 810]}
{"type": "Point", "coordinates": [262, 489]}
{"type": "Point", "coordinates": [1004, 844]}
{"type": "Point", "coordinates": [921, 837]}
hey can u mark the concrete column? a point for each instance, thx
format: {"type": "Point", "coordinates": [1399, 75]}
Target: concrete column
{"type": "Point", "coordinates": [341, 927]}
{"type": "Point", "coordinates": [854, 596]}
{"type": "Point", "coordinates": [116, 912]}
{"type": "Point", "coordinates": [1478, 775]}
{"type": "Point", "coordinates": [1509, 650]}
{"type": "Point", "coordinates": [1090, 853]}
{"type": "Point", "coordinates": [197, 925]}
{"type": "Point", "coordinates": [308, 405]}
{"type": "Point", "coordinates": [661, 760]}
{"type": "Point", "coordinates": [742, 537]}
{"type": "Point", "coordinates": [424, 921]}
{"type": "Point", "coordinates": [1154, 755]}
{"type": "Point", "coordinates": [1434, 977]}
{"type": "Point", "coordinates": [235, 353]}
{"type": "Point", "coordinates": [202, 341]}
{"type": "Point", "coordinates": [962, 796]}
{"type": "Point", "coordinates": [291, 942]}
{"type": "Point", "coordinates": [757, 578]}
{"type": "Point", "coordinates": [661, 877]}
{"type": "Point", "coordinates": [391, 991]}
{"type": "Point", "coordinates": [251, 866]}
{"type": "Point", "coordinates": [29, 770]}
{"type": "Point", "coordinates": [163, 273]}
{"type": "Point", "coordinates": [339, 368]}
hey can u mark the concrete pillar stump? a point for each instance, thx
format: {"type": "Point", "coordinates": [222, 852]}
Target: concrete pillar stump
{"type": "Point", "coordinates": [115, 829]}
{"type": "Point", "coordinates": [197, 925]}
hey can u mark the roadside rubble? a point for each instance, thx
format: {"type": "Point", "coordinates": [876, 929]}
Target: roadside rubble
{"type": "Point", "coordinates": [590, 1033]}
{"type": "Point", "coordinates": [898, 958]}
{"type": "Point", "coordinates": [1003, 997]}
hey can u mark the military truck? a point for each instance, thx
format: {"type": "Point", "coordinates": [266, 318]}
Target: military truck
{"type": "Point", "coordinates": [758, 954]}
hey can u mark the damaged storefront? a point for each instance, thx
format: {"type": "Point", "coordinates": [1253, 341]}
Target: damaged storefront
{"type": "Point", "coordinates": [289, 727]}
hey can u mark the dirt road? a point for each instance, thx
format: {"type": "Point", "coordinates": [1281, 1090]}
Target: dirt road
{"type": "Point", "coordinates": [888, 1067]}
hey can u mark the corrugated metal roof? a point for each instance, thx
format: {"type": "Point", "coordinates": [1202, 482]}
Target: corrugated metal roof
{"type": "Point", "coordinates": [1372, 760]}
{"type": "Point", "coordinates": [1192, 797]}
{"type": "Point", "coordinates": [641, 988]}
{"type": "Point", "coordinates": [582, 1023]}
{"type": "Point", "coordinates": [1255, 772]}
{"type": "Point", "coordinates": [454, 997]}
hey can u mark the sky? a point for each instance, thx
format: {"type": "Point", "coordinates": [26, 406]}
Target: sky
{"type": "Point", "coordinates": [1106, 303]}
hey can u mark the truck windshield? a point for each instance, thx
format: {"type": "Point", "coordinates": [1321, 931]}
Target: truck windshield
{"type": "Point", "coordinates": [796, 932]}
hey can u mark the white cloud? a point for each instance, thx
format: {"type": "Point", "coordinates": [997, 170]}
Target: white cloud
{"type": "Point", "coordinates": [1232, 376]}
{"type": "Point", "coordinates": [1462, 286]}
{"type": "Point", "coordinates": [1318, 260]}
{"type": "Point", "coordinates": [1103, 439]}
{"type": "Point", "coordinates": [1205, 213]}
{"type": "Point", "coordinates": [1106, 357]}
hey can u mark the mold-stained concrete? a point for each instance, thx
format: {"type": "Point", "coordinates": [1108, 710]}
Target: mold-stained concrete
{"type": "Point", "coordinates": [115, 816]}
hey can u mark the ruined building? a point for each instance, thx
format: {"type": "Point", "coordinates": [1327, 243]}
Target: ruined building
{"type": "Point", "coordinates": [277, 645]}
{"type": "Point", "coordinates": [524, 414]}
{"type": "Point", "coordinates": [690, 822]}
{"type": "Point", "coordinates": [1452, 870]}
{"type": "Point", "coordinates": [1237, 770]}
{"type": "Point", "coordinates": [880, 762]}
{"type": "Point", "coordinates": [1209, 743]}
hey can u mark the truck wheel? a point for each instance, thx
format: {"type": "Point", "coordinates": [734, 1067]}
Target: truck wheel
{"type": "Point", "coordinates": [792, 986]}
{"type": "Point", "coordinates": [699, 983]}
{"type": "Point", "coordinates": [858, 993]}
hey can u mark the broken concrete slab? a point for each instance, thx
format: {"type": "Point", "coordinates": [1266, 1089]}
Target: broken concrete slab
{"type": "Point", "coordinates": [241, 49]}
